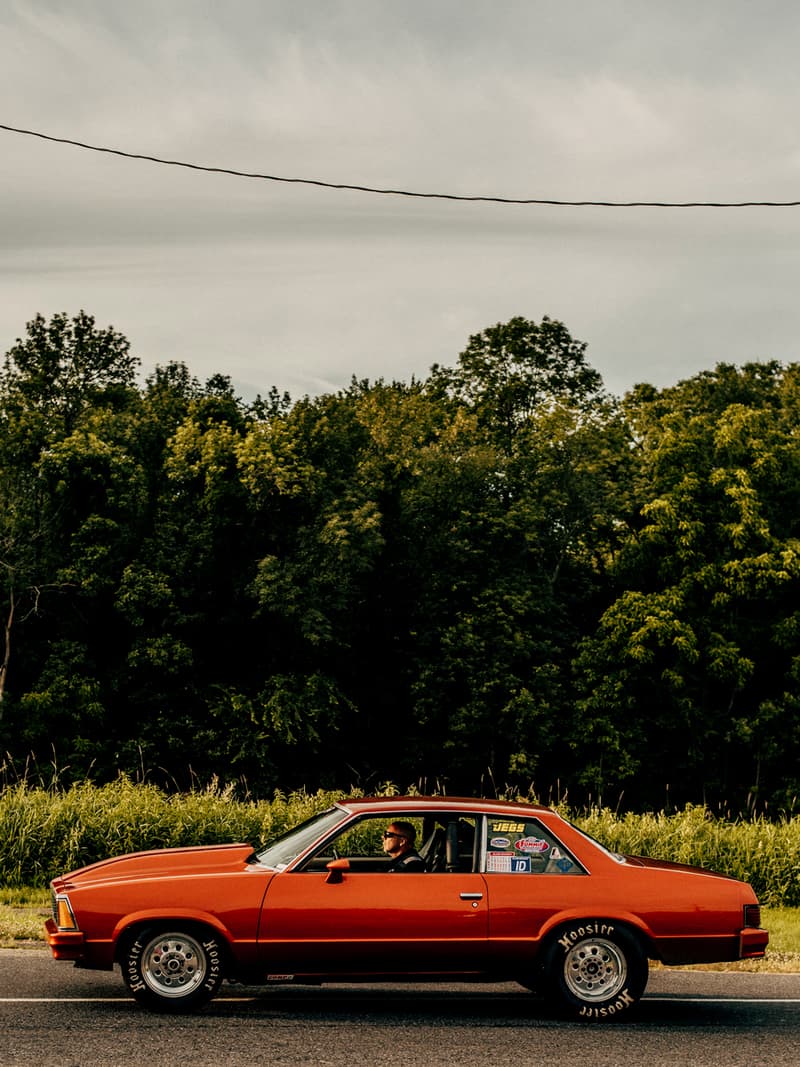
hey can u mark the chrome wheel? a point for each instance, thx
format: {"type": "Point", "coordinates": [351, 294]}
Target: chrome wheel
{"type": "Point", "coordinates": [173, 970]}
{"type": "Point", "coordinates": [595, 969]}
{"type": "Point", "coordinates": [173, 965]}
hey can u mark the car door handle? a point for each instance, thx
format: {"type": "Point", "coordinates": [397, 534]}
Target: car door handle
{"type": "Point", "coordinates": [471, 896]}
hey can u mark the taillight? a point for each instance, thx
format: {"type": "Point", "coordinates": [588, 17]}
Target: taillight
{"type": "Point", "coordinates": [752, 915]}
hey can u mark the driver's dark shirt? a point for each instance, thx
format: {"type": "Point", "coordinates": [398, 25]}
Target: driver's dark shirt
{"type": "Point", "coordinates": [408, 863]}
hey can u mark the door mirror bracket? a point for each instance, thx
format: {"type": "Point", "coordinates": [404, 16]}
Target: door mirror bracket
{"type": "Point", "coordinates": [336, 869]}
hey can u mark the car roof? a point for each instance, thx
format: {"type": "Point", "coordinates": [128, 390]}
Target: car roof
{"type": "Point", "coordinates": [421, 804]}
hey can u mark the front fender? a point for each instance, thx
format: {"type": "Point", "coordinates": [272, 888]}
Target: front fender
{"type": "Point", "coordinates": [175, 916]}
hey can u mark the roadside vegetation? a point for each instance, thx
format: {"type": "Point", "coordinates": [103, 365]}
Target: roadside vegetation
{"type": "Point", "coordinates": [522, 576]}
{"type": "Point", "coordinates": [46, 831]}
{"type": "Point", "coordinates": [764, 852]}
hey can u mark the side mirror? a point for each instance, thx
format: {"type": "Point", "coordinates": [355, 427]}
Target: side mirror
{"type": "Point", "coordinates": [336, 869]}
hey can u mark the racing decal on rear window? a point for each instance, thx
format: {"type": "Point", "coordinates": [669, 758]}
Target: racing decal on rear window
{"type": "Point", "coordinates": [531, 844]}
{"type": "Point", "coordinates": [526, 848]}
{"type": "Point", "coordinates": [499, 861]}
{"type": "Point", "coordinates": [508, 863]}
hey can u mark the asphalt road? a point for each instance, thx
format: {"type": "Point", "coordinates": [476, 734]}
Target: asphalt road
{"type": "Point", "coordinates": [52, 1015]}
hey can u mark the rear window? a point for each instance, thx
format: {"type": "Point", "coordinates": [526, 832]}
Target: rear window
{"type": "Point", "coordinates": [517, 847]}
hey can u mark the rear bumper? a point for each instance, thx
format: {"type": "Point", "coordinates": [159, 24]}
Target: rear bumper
{"type": "Point", "coordinates": [65, 944]}
{"type": "Point", "coordinates": [748, 944]}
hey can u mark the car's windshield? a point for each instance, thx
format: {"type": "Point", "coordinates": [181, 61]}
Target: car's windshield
{"type": "Point", "coordinates": [279, 853]}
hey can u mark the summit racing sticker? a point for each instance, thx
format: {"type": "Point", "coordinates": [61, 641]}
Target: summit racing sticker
{"type": "Point", "coordinates": [531, 844]}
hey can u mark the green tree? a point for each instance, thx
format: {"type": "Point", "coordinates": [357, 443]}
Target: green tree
{"type": "Point", "coordinates": [517, 369]}
{"type": "Point", "coordinates": [695, 660]}
{"type": "Point", "coordinates": [514, 551]}
{"type": "Point", "coordinates": [61, 374]}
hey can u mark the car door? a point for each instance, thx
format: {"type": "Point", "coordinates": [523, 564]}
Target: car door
{"type": "Point", "coordinates": [373, 921]}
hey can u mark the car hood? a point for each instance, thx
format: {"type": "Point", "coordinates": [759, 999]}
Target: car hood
{"type": "Point", "coordinates": [206, 859]}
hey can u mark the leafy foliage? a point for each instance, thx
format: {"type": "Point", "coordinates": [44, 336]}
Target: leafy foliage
{"type": "Point", "coordinates": [498, 576]}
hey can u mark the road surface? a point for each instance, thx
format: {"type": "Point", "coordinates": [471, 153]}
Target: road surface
{"type": "Point", "coordinates": [53, 1015]}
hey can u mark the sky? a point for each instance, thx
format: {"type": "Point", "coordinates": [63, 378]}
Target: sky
{"type": "Point", "coordinates": [303, 287]}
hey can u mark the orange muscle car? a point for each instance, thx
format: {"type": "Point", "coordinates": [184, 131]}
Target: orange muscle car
{"type": "Point", "coordinates": [503, 891]}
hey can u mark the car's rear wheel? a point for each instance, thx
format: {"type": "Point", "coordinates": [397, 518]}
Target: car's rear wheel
{"type": "Point", "coordinates": [173, 969]}
{"type": "Point", "coordinates": [594, 970]}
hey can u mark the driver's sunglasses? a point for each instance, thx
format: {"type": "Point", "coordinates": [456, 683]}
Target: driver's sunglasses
{"type": "Point", "coordinates": [388, 833]}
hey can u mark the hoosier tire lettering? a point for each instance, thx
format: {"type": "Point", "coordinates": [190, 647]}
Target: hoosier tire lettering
{"type": "Point", "coordinates": [569, 939]}
{"type": "Point", "coordinates": [173, 970]}
{"type": "Point", "coordinates": [625, 1000]}
{"type": "Point", "coordinates": [132, 972]}
{"type": "Point", "coordinates": [594, 970]}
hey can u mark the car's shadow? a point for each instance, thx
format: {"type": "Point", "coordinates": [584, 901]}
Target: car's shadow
{"type": "Point", "coordinates": [449, 1008]}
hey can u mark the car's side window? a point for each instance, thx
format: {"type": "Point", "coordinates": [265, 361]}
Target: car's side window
{"type": "Point", "coordinates": [361, 844]}
{"type": "Point", "coordinates": [525, 847]}
{"type": "Point", "coordinates": [362, 839]}
{"type": "Point", "coordinates": [447, 843]}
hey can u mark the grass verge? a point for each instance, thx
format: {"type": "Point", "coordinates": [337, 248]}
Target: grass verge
{"type": "Point", "coordinates": [22, 916]}
{"type": "Point", "coordinates": [23, 911]}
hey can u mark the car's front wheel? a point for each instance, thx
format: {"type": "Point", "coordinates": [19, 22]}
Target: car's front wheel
{"type": "Point", "coordinates": [595, 970]}
{"type": "Point", "coordinates": [173, 969]}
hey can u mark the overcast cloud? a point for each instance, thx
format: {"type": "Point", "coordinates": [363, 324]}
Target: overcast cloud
{"type": "Point", "coordinates": [302, 287]}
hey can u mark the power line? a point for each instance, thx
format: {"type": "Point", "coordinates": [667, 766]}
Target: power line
{"type": "Point", "coordinates": [400, 192]}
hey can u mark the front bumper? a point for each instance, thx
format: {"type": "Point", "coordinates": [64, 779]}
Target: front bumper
{"type": "Point", "coordinates": [65, 944]}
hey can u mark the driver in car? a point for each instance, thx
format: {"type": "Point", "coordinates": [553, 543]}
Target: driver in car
{"type": "Point", "coordinates": [398, 842]}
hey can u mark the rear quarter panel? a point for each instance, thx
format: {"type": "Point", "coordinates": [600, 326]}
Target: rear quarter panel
{"type": "Point", "coordinates": [682, 916]}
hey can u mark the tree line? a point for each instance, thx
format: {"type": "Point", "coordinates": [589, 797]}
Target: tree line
{"type": "Point", "coordinates": [496, 576]}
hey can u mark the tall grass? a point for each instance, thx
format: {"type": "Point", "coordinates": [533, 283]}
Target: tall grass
{"type": "Point", "coordinates": [48, 831]}
{"type": "Point", "coordinates": [44, 832]}
{"type": "Point", "coordinates": [762, 852]}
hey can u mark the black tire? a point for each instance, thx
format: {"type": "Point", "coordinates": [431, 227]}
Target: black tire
{"type": "Point", "coordinates": [594, 970]}
{"type": "Point", "coordinates": [173, 969]}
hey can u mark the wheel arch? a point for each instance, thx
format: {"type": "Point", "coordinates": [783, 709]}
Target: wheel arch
{"type": "Point", "coordinates": [599, 923]}
{"type": "Point", "coordinates": [128, 929]}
